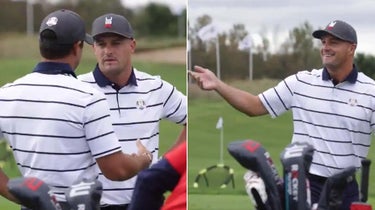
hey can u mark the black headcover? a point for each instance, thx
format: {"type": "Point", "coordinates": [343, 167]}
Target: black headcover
{"type": "Point", "coordinates": [33, 193]}
{"type": "Point", "coordinates": [332, 193]}
{"type": "Point", "coordinates": [251, 155]}
{"type": "Point", "coordinates": [85, 194]}
{"type": "Point", "coordinates": [296, 159]}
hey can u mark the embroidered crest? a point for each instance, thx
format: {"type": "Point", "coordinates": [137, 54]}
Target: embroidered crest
{"type": "Point", "coordinates": [331, 25]}
{"type": "Point", "coordinates": [52, 21]}
{"type": "Point", "coordinates": [141, 104]}
{"type": "Point", "coordinates": [108, 22]}
{"type": "Point", "coordinates": [352, 102]}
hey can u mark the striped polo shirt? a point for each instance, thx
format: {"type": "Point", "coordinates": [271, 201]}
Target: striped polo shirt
{"type": "Point", "coordinates": [56, 125]}
{"type": "Point", "coordinates": [336, 119]}
{"type": "Point", "coordinates": [136, 111]}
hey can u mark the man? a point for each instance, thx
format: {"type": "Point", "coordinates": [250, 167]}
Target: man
{"type": "Point", "coordinates": [168, 174]}
{"type": "Point", "coordinates": [58, 127]}
{"type": "Point", "coordinates": [333, 107]}
{"type": "Point", "coordinates": [137, 100]}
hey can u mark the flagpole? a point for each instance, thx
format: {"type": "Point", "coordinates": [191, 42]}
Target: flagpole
{"type": "Point", "coordinates": [250, 64]}
{"type": "Point", "coordinates": [218, 57]}
{"type": "Point", "coordinates": [221, 144]}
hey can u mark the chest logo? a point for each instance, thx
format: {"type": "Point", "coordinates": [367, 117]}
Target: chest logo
{"type": "Point", "coordinates": [141, 104]}
{"type": "Point", "coordinates": [353, 102]}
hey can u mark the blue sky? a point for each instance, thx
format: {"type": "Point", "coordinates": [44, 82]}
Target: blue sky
{"type": "Point", "coordinates": [275, 18]}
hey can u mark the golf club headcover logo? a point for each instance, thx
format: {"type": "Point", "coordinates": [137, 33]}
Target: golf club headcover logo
{"type": "Point", "coordinates": [296, 160]}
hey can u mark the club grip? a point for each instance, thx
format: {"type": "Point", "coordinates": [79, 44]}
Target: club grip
{"type": "Point", "coordinates": [365, 179]}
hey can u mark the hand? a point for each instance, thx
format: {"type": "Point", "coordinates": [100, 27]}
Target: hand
{"type": "Point", "coordinates": [205, 78]}
{"type": "Point", "coordinates": [142, 151]}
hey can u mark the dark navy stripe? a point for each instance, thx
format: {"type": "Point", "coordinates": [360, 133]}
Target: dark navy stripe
{"type": "Point", "coordinates": [330, 100]}
{"type": "Point", "coordinates": [179, 122]}
{"type": "Point", "coordinates": [135, 92]}
{"type": "Point", "coordinates": [337, 88]}
{"type": "Point", "coordinates": [177, 108]}
{"type": "Point", "coordinates": [130, 108]}
{"type": "Point", "coordinates": [286, 108]}
{"type": "Point", "coordinates": [99, 136]}
{"type": "Point", "coordinates": [100, 118]}
{"type": "Point", "coordinates": [322, 165]}
{"type": "Point", "coordinates": [332, 114]}
{"type": "Point", "coordinates": [269, 105]}
{"type": "Point", "coordinates": [56, 170]}
{"type": "Point", "coordinates": [108, 151]}
{"type": "Point", "coordinates": [43, 135]}
{"type": "Point", "coordinates": [287, 86]}
{"type": "Point", "coordinates": [146, 79]}
{"type": "Point", "coordinates": [97, 101]}
{"type": "Point", "coordinates": [41, 118]}
{"type": "Point", "coordinates": [54, 86]}
{"type": "Point", "coordinates": [331, 127]}
{"type": "Point", "coordinates": [143, 138]}
{"type": "Point", "coordinates": [135, 123]}
{"type": "Point", "coordinates": [50, 153]}
{"type": "Point", "coordinates": [331, 140]}
{"type": "Point", "coordinates": [40, 101]}
{"type": "Point", "coordinates": [166, 101]}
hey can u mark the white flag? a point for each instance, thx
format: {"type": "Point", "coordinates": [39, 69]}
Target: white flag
{"type": "Point", "coordinates": [208, 32]}
{"type": "Point", "coordinates": [246, 43]}
{"type": "Point", "coordinates": [219, 124]}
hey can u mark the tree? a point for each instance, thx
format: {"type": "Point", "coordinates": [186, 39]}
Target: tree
{"type": "Point", "coordinates": [156, 20]}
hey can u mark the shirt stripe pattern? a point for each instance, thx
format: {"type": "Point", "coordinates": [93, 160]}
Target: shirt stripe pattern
{"type": "Point", "coordinates": [55, 125]}
{"type": "Point", "coordinates": [336, 120]}
{"type": "Point", "coordinates": [136, 111]}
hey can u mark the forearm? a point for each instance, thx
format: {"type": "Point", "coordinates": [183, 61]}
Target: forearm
{"type": "Point", "coordinates": [4, 189]}
{"type": "Point", "coordinates": [241, 100]}
{"type": "Point", "coordinates": [120, 166]}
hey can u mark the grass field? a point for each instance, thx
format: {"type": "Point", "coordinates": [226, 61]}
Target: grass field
{"type": "Point", "coordinates": [273, 134]}
{"type": "Point", "coordinates": [14, 68]}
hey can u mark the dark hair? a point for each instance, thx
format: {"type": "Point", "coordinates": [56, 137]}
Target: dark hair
{"type": "Point", "coordinates": [50, 49]}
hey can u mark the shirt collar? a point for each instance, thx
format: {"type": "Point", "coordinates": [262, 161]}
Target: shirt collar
{"type": "Point", "coordinates": [54, 68]}
{"type": "Point", "coordinates": [352, 77]}
{"type": "Point", "coordinates": [102, 81]}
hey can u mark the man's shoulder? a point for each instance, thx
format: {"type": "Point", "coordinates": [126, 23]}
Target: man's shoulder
{"type": "Point", "coordinates": [86, 77]}
{"type": "Point", "coordinates": [144, 75]}
{"type": "Point", "coordinates": [363, 78]}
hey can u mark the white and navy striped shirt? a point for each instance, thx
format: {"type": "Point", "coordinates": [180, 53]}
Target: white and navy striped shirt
{"type": "Point", "coordinates": [136, 110]}
{"type": "Point", "coordinates": [337, 120]}
{"type": "Point", "coordinates": [56, 125]}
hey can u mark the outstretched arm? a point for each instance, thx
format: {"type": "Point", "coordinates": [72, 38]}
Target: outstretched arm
{"type": "Point", "coordinates": [241, 100]}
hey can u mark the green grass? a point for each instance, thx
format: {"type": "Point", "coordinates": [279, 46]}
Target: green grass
{"type": "Point", "coordinates": [273, 134]}
{"type": "Point", "coordinates": [175, 74]}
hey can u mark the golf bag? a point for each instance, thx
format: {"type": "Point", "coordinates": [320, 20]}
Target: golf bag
{"type": "Point", "coordinates": [251, 155]}
{"type": "Point", "coordinates": [33, 193]}
{"type": "Point", "coordinates": [332, 193]}
{"type": "Point", "coordinates": [85, 195]}
{"type": "Point", "coordinates": [296, 160]}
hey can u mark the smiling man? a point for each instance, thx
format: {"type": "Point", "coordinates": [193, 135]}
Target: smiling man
{"type": "Point", "coordinates": [333, 107]}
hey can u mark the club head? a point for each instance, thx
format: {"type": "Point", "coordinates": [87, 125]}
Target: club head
{"type": "Point", "coordinates": [84, 195]}
{"type": "Point", "coordinates": [33, 193]}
